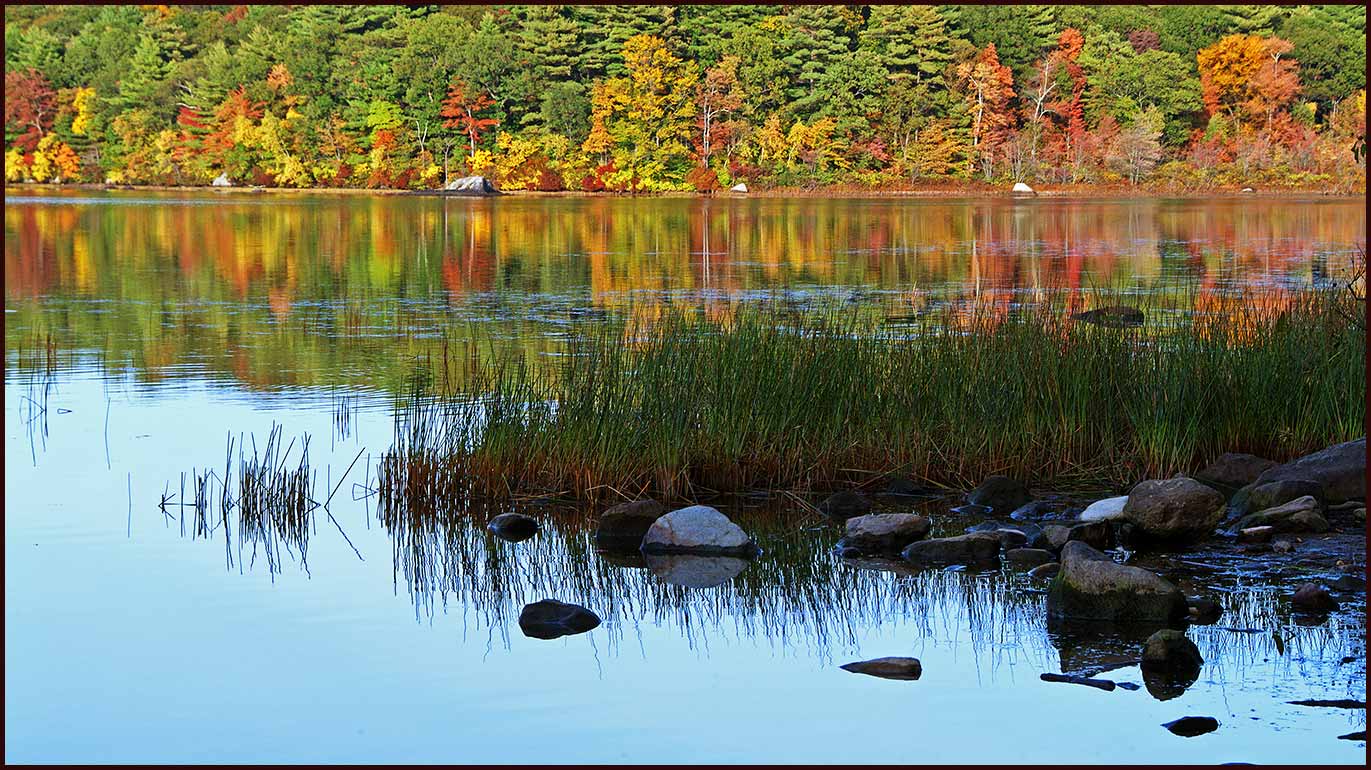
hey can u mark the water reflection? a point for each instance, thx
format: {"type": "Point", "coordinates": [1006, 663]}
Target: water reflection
{"type": "Point", "coordinates": [319, 290]}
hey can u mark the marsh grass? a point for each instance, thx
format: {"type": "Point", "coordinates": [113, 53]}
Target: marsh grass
{"type": "Point", "coordinates": [684, 406]}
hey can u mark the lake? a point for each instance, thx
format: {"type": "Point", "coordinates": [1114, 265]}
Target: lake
{"type": "Point", "coordinates": [145, 331]}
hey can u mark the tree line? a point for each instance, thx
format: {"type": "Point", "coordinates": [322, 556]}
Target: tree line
{"type": "Point", "coordinates": [655, 98]}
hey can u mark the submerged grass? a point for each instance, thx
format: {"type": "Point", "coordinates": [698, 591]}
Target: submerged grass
{"type": "Point", "coordinates": [684, 406]}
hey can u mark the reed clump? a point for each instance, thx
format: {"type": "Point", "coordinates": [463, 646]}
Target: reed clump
{"type": "Point", "coordinates": [684, 406]}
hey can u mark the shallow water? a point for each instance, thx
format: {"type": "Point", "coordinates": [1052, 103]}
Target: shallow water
{"type": "Point", "coordinates": [130, 638]}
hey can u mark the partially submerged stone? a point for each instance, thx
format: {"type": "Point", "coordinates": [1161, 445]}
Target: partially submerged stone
{"type": "Point", "coordinates": [1028, 558]}
{"type": "Point", "coordinates": [885, 532]}
{"type": "Point", "coordinates": [1189, 727]}
{"type": "Point", "coordinates": [1000, 494]}
{"type": "Point", "coordinates": [907, 669]}
{"type": "Point", "coordinates": [1170, 650]}
{"type": "Point", "coordinates": [698, 529]}
{"type": "Point", "coordinates": [977, 549]}
{"type": "Point", "coordinates": [845, 505]}
{"type": "Point", "coordinates": [550, 619]}
{"type": "Point", "coordinates": [623, 526]}
{"type": "Point", "coordinates": [1303, 514]}
{"type": "Point", "coordinates": [1178, 509]}
{"type": "Point", "coordinates": [514, 527]}
{"type": "Point", "coordinates": [1045, 570]}
{"type": "Point", "coordinates": [1090, 586]}
{"type": "Point", "coordinates": [694, 571]}
{"type": "Point", "coordinates": [1113, 316]}
{"type": "Point", "coordinates": [1313, 598]}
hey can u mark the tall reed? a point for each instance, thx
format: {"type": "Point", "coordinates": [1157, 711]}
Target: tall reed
{"type": "Point", "coordinates": [684, 406]}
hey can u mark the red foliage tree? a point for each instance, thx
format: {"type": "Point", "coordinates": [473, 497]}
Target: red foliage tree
{"type": "Point", "coordinates": [30, 104]}
{"type": "Point", "coordinates": [461, 107]}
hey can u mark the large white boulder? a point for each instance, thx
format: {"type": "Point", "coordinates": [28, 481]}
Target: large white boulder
{"type": "Point", "coordinates": [1108, 508]}
{"type": "Point", "coordinates": [472, 184]}
{"type": "Point", "coordinates": [221, 181]}
{"type": "Point", "coordinates": [739, 187]}
{"type": "Point", "coordinates": [1020, 187]}
{"type": "Point", "coordinates": [698, 529]}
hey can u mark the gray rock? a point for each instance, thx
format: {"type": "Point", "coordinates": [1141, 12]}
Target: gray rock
{"type": "Point", "coordinates": [1299, 515]}
{"type": "Point", "coordinates": [1102, 510]}
{"type": "Point", "coordinates": [1028, 558]}
{"type": "Point", "coordinates": [1036, 510]}
{"type": "Point", "coordinates": [1189, 727]}
{"type": "Point", "coordinates": [907, 669]}
{"type": "Point", "coordinates": [740, 187]}
{"type": "Point", "coordinates": [477, 185]}
{"type": "Point", "coordinates": [1283, 545]}
{"type": "Point", "coordinates": [1114, 316]}
{"type": "Point", "coordinates": [700, 530]}
{"type": "Point", "coordinates": [1313, 598]}
{"type": "Point", "coordinates": [1099, 684]}
{"type": "Point", "coordinates": [1339, 470]}
{"type": "Point", "coordinates": [549, 619]}
{"type": "Point", "coordinates": [977, 549]}
{"type": "Point", "coordinates": [1170, 650]}
{"type": "Point", "coordinates": [1057, 536]}
{"type": "Point", "coordinates": [1091, 586]}
{"type": "Point", "coordinates": [1256, 534]}
{"type": "Point", "coordinates": [1000, 494]}
{"type": "Point", "coordinates": [513, 527]}
{"type": "Point", "coordinates": [1258, 497]}
{"type": "Point", "coordinates": [845, 505]}
{"type": "Point", "coordinates": [885, 532]}
{"type": "Point", "coordinates": [623, 526]}
{"type": "Point", "coordinates": [1045, 570]}
{"type": "Point", "coordinates": [693, 571]}
{"type": "Point", "coordinates": [1179, 509]}
{"type": "Point", "coordinates": [1233, 471]}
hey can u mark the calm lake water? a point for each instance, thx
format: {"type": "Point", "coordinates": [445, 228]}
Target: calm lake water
{"type": "Point", "coordinates": [143, 330]}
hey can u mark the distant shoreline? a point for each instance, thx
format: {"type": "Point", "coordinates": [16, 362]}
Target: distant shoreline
{"type": "Point", "coordinates": [840, 191]}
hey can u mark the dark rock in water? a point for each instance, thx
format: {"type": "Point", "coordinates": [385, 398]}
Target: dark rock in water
{"type": "Point", "coordinates": [623, 526]}
{"type": "Point", "coordinates": [1045, 570]}
{"type": "Point", "coordinates": [1177, 510]}
{"type": "Point", "coordinates": [845, 505]}
{"type": "Point", "coordinates": [1011, 536]}
{"type": "Point", "coordinates": [1313, 599]}
{"type": "Point", "coordinates": [549, 619]}
{"type": "Point", "coordinates": [1233, 471]}
{"type": "Point", "coordinates": [1256, 534]}
{"type": "Point", "coordinates": [978, 549]}
{"type": "Point", "coordinates": [1028, 558]}
{"type": "Point", "coordinates": [1000, 494]}
{"type": "Point", "coordinates": [1036, 510]}
{"type": "Point", "coordinates": [1204, 611]}
{"type": "Point", "coordinates": [907, 669]}
{"type": "Point", "coordinates": [1056, 536]}
{"type": "Point", "coordinates": [1282, 546]}
{"type": "Point", "coordinates": [1360, 735]}
{"type": "Point", "coordinates": [1349, 583]}
{"type": "Point", "coordinates": [885, 533]}
{"type": "Point", "coordinates": [1170, 650]}
{"type": "Point", "coordinates": [1303, 514]}
{"type": "Point", "coordinates": [1341, 703]}
{"type": "Point", "coordinates": [971, 510]}
{"type": "Point", "coordinates": [1259, 496]}
{"type": "Point", "coordinates": [1113, 316]}
{"type": "Point", "coordinates": [694, 571]}
{"type": "Point", "coordinates": [1091, 586]}
{"type": "Point", "coordinates": [1096, 534]}
{"type": "Point", "coordinates": [1339, 470]}
{"type": "Point", "coordinates": [1190, 727]}
{"type": "Point", "coordinates": [513, 527]}
{"type": "Point", "coordinates": [900, 485]}
{"type": "Point", "coordinates": [698, 529]}
{"type": "Point", "coordinates": [1102, 684]}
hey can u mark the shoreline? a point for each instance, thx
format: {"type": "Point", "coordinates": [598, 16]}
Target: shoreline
{"type": "Point", "coordinates": [976, 191]}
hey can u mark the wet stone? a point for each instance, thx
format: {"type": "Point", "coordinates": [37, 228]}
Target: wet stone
{"type": "Point", "coordinates": [550, 619]}
{"type": "Point", "coordinates": [1170, 650]}
{"type": "Point", "coordinates": [1190, 727]}
{"type": "Point", "coordinates": [1045, 570]}
{"type": "Point", "coordinates": [845, 505]}
{"type": "Point", "coordinates": [514, 527]}
{"type": "Point", "coordinates": [906, 669]}
{"type": "Point", "coordinates": [1028, 558]}
{"type": "Point", "coordinates": [1000, 494]}
{"type": "Point", "coordinates": [978, 549]}
{"type": "Point", "coordinates": [1313, 598]}
{"type": "Point", "coordinates": [623, 526]}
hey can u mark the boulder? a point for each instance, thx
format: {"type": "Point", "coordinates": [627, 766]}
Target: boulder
{"type": "Point", "coordinates": [885, 532]}
{"type": "Point", "coordinates": [740, 187]}
{"type": "Point", "coordinates": [221, 181]}
{"type": "Point", "coordinates": [1045, 570]}
{"type": "Point", "coordinates": [1036, 510]}
{"type": "Point", "coordinates": [1302, 514]}
{"type": "Point", "coordinates": [623, 526]}
{"type": "Point", "coordinates": [1113, 316]}
{"type": "Point", "coordinates": [700, 530]}
{"type": "Point", "coordinates": [845, 505]}
{"type": "Point", "coordinates": [1313, 598]}
{"type": "Point", "coordinates": [693, 571]}
{"type": "Point", "coordinates": [476, 185]}
{"type": "Point", "coordinates": [977, 549]}
{"type": "Point", "coordinates": [1010, 535]}
{"type": "Point", "coordinates": [549, 619]}
{"type": "Point", "coordinates": [1097, 534]}
{"type": "Point", "coordinates": [1057, 536]}
{"type": "Point", "coordinates": [1189, 727]}
{"type": "Point", "coordinates": [1023, 189]}
{"type": "Point", "coordinates": [1102, 510]}
{"type": "Point", "coordinates": [1028, 558]}
{"type": "Point", "coordinates": [1233, 471]}
{"type": "Point", "coordinates": [1179, 509]}
{"type": "Point", "coordinates": [907, 669]}
{"type": "Point", "coordinates": [1260, 496]}
{"type": "Point", "coordinates": [1339, 470]}
{"type": "Point", "coordinates": [1091, 586]}
{"type": "Point", "coordinates": [1000, 494]}
{"type": "Point", "coordinates": [1170, 650]}
{"type": "Point", "coordinates": [513, 527]}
